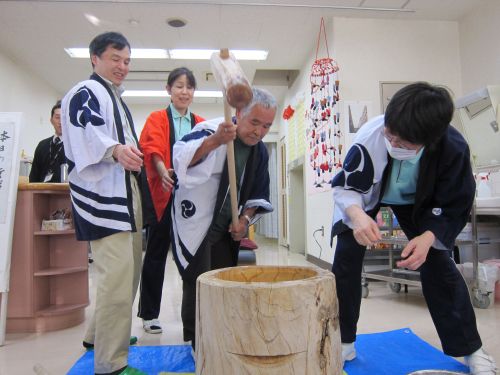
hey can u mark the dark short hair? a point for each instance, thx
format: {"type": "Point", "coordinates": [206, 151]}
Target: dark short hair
{"type": "Point", "coordinates": [419, 113]}
{"type": "Point", "coordinates": [56, 106]}
{"type": "Point", "coordinates": [99, 44]}
{"type": "Point", "coordinates": [179, 72]}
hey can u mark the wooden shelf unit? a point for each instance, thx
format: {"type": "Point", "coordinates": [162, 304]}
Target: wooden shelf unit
{"type": "Point", "coordinates": [49, 287]}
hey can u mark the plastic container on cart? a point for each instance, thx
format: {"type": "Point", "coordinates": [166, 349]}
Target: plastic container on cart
{"type": "Point", "coordinates": [487, 277]}
{"type": "Point", "coordinates": [496, 262]}
{"type": "Point", "coordinates": [486, 236]}
{"type": "Point", "coordinates": [483, 188]}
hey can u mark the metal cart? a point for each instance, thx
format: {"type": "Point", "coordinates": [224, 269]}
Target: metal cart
{"type": "Point", "coordinates": [480, 298]}
{"type": "Point", "coordinates": [397, 277]}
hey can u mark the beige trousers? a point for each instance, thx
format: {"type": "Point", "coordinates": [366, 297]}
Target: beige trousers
{"type": "Point", "coordinates": [118, 262]}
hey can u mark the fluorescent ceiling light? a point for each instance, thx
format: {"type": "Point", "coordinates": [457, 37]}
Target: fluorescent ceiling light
{"type": "Point", "coordinates": [164, 94]}
{"type": "Point", "coordinates": [78, 53]}
{"type": "Point", "coordinates": [184, 54]}
{"type": "Point", "coordinates": [205, 54]}
{"type": "Point", "coordinates": [145, 93]}
{"type": "Point", "coordinates": [149, 53]}
{"type": "Point", "coordinates": [208, 94]}
{"type": "Point", "coordinates": [191, 54]}
{"type": "Point", "coordinates": [249, 54]}
{"type": "Point", "coordinates": [136, 53]}
{"type": "Point", "coordinates": [92, 19]}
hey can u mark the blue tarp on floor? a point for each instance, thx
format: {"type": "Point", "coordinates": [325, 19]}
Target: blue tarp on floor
{"type": "Point", "coordinates": [396, 352]}
{"type": "Point", "coordinates": [150, 359]}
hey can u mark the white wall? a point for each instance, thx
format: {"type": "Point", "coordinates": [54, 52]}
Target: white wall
{"type": "Point", "coordinates": [480, 47]}
{"type": "Point", "coordinates": [22, 91]}
{"type": "Point", "coordinates": [372, 50]}
{"type": "Point", "coordinates": [369, 51]}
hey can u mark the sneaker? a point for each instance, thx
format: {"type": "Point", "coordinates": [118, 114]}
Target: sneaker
{"type": "Point", "coordinates": [89, 346]}
{"type": "Point", "coordinates": [481, 362]}
{"type": "Point", "coordinates": [152, 326]}
{"type": "Point", "coordinates": [348, 352]}
{"type": "Point", "coordinates": [132, 371]}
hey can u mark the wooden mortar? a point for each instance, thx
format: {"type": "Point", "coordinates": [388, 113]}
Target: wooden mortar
{"type": "Point", "coordinates": [267, 320]}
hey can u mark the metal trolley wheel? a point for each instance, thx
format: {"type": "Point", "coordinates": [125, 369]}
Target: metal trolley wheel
{"type": "Point", "coordinates": [480, 300]}
{"type": "Point", "coordinates": [395, 287]}
{"type": "Point", "coordinates": [364, 291]}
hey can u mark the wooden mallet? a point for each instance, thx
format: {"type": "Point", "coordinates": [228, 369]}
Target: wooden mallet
{"type": "Point", "coordinates": [237, 94]}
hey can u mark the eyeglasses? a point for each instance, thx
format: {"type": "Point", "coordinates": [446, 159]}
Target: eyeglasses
{"type": "Point", "coordinates": [397, 142]}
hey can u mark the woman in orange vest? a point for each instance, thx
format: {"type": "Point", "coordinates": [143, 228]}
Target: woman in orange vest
{"type": "Point", "coordinates": [162, 129]}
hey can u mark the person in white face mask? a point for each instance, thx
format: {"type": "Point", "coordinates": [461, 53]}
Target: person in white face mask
{"type": "Point", "coordinates": [411, 160]}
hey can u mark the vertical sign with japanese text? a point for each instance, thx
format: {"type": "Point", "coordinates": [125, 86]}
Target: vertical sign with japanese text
{"type": "Point", "coordinates": [10, 124]}
{"type": "Point", "coordinates": [6, 150]}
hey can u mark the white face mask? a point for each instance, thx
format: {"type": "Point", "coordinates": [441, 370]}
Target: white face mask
{"type": "Point", "coordinates": [399, 153]}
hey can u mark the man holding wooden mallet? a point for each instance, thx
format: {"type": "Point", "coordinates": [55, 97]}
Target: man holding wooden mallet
{"type": "Point", "coordinates": [206, 229]}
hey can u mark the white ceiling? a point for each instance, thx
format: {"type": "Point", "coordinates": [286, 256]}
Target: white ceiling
{"type": "Point", "coordinates": [35, 33]}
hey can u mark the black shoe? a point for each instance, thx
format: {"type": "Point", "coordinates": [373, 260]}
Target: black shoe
{"type": "Point", "coordinates": [89, 346]}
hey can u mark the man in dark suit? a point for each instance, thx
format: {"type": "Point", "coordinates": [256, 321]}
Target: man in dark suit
{"type": "Point", "coordinates": [49, 154]}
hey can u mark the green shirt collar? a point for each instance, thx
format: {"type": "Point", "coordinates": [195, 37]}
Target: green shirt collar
{"type": "Point", "coordinates": [177, 115]}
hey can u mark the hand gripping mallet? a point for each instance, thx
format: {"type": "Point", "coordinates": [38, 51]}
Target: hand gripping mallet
{"type": "Point", "coordinates": [238, 94]}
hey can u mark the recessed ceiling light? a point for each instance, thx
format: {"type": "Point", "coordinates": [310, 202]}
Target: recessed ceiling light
{"type": "Point", "coordinates": [176, 22]}
{"type": "Point", "coordinates": [133, 22]}
{"type": "Point", "coordinates": [136, 53]}
{"type": "Point", "coordinates": [164, 94]}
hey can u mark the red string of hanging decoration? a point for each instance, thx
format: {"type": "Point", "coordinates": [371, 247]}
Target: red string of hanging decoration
{"type": "Point", "coordinates": [324, 66]}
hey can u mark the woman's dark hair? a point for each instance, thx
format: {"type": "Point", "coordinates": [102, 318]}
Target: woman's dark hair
{"type": "Point", "coordinates": [99, 44]}
{"type": "Point", "coordinates": [419, 113]}
{"type": "Point", "coordinates": [178, 72]}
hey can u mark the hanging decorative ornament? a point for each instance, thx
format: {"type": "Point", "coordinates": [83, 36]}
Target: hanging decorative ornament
{"type": "Point", "coordinates": [288, 112]}
{"type": "Point", "coordinates": [323, 132]}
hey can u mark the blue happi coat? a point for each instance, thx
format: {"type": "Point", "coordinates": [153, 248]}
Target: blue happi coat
{"type": "Point", "coordinates": [445, 185]}
{"type": "Point", "coordinates": [100, 189]}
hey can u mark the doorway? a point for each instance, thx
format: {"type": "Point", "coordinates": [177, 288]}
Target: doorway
{"type": "Point", "coordinates": [283, 201]}
{"type": "Point", "coordinates": [297, 211]}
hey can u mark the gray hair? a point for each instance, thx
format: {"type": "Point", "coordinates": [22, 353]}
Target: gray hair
{"type": "Point", "coordinates": [262, 97]}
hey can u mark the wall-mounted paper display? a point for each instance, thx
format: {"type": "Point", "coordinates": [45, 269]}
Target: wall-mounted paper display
{"type": "Point", "coordinates": [356, 114]}
{"type": "Point", "coordinates": [478, 113]}
{"type": "Point", "coordinates": [10, 130]}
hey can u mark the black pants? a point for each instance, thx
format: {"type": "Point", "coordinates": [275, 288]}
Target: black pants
{"type": "Point", "coordinates": [443, 287]}
{"type": "Point", "coordinates": [213, 254]}
{"type": "Point", "coordinates": [153, 267]}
